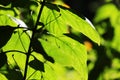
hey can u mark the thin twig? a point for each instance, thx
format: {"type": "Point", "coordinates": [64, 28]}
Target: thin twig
{"type": "Point", "coordinates": [14, 51]}
{"type": "Point", "coordinates": [31, 75]}
{"type": "Point", "coordinates": [31, 41]}
{"type": "Point", "coordinates": [21, 41]}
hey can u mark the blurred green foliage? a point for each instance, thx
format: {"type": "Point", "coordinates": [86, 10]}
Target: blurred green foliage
{"type": "Point", "coordinates": [104, 61]}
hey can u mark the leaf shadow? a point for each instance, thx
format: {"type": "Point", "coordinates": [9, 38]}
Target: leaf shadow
{"type": "Point", "coordinates": [37, 47]}
{"type": "Point", "coordinates": [37, 65]}
{"type": "Point", "coordinates": [11, 73]}
{"type": "Point", "coordinates": [3, 59]}
{"type": "Point", "coordinates": [5, 34]}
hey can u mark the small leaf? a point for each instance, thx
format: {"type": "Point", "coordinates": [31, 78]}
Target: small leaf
{"type": "Point", "coordinates": [79, 24]}
{"type": "Point", "coordinates": [105, 11]}
{"type": "Point", "coordinates": [5, 34]}
{"type": "Point", "coordinates": [37, 65]}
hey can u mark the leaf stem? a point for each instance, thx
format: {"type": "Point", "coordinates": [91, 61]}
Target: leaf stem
{"type": "Point", "coordinates": [31, 41]}
{"type": "Point", "coordinates": [14, 51]}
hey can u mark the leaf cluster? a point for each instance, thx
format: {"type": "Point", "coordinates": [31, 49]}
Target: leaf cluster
{"type": "Point", "coordinates": [34, 44]}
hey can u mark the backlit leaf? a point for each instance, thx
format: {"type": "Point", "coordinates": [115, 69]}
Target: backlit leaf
{"type": "Point", "coordinates": [66, 52]}
{"type": "Point", "coordinates": [5, 19]}
{"type": "Point", "coordinates": [57, 23]}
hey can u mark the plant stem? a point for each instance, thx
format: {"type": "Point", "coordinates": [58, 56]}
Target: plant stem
{"type": "Point", "coordinates": [31, 41]}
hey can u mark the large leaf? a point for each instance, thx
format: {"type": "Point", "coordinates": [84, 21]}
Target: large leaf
{"type": "Point", "coordinates": [66, 52]}
{"type": "Point", "coordinates": [58, 19]}
{"type": "Point", "coordinates": [116, 38]}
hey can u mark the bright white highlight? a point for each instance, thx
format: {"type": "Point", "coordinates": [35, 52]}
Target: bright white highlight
{"type": "Point", "coordinates": [18, 22]}
{"type": "Point", "coordinates": [87, 20]}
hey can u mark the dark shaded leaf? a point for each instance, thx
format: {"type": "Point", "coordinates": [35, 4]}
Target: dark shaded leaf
{"type": "Point", "coordinates": [5, 34]}
{"type": "Point", "coordinates": [3, 59]}
{"type": "Point", "coordinates": [5, 2]}
{"type": "Point", "coordinates": [37, 47]}
{"type": "Point", "coordinates": [20, 3]}
{"type": "Point", "coordinates": [52, 7]}
{"type": "Point", "coordinates": [40, 23]}
{"type": "Point", "coordinates": [37, 65]}
{"type": "Point", "coordinates": [13, 74]}
{"type": "Point", "coordinates": [50, 0]}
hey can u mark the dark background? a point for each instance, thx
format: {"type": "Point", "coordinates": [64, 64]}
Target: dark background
{"type": "Point", "coordinates": [85, 7]}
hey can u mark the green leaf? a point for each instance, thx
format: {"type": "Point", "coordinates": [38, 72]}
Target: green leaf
{"type": "Point", "coordinates": [105, 11]}
{"type": "Point", "coordinates": [57, 22]}
{"type": "Point", "coordinates": [109, 12]}
{"type": "Point", "coordinates": [116, 39]}
{"type": "Point", "coordinates": [5, 19]}
{"type": "Point", "coordinates": [54, 72]}
{"type": "Point", "coordinates": [66, 52]}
